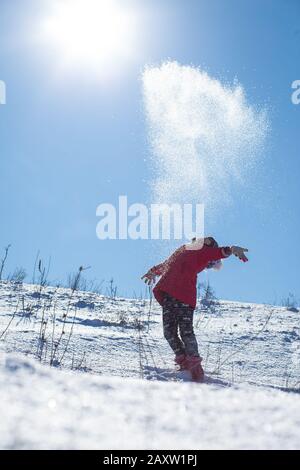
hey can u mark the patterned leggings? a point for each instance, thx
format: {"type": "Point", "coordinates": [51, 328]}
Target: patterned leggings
{"type": "Point", "coordinates": [177, 315]}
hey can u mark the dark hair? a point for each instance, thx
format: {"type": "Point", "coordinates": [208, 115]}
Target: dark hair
{"type": "Point", "coordinates": [211, 242]}
{"type": "Point", "coordinates": [208, 241]}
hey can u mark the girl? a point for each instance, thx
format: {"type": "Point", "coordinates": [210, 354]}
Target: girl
{"type": "Point", "coordinates": [176, 292]}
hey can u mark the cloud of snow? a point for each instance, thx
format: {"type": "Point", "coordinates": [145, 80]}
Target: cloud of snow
{"type": "Point", "coordinates": [205, 136]}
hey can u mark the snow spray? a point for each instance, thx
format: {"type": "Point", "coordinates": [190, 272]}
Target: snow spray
{"type": "Point", "coordinates": [205, 136]}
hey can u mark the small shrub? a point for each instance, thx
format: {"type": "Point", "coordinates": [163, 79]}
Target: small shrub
{"type": "Point", "coordinates": [17, 276]}
{"type": "Point", "coordinates": [290, 302]}
{"type": "Point", "coordinates": [208, 301]}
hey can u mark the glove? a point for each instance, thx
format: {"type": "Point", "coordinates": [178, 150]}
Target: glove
{"type": "Point", "coordinates": [149, 278]}
{"type": "Point", "coordinates": [239, 252]}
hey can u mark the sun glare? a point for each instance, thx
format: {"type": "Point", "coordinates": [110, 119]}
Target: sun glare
{"type": "Point", "coordinates": [91, 33]}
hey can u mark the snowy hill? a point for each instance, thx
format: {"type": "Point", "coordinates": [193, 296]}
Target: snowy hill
{"type": "Point", "coordinates": [73, 365]}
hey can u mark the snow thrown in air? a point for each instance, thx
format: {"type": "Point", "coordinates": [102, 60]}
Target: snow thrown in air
{"type": "Point", "coordinates": [204, 135]}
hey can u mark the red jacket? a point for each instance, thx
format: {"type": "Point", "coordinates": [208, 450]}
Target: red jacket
{"type": "Point", "coordinates": [179, 272]}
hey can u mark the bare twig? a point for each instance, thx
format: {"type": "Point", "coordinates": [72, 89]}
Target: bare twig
{"type": "Point", "coordinates": [10, 321]}
{"type": "Point", "coordinates": [3, 261]}
{"type": "Point", "coordinates": [243, 346]}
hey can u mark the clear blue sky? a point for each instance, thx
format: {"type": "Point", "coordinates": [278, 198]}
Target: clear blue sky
{"type": "Point", "coordinates": [69, 142]}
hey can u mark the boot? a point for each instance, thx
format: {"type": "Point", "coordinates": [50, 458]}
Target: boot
{"type": "Point", "coordinates": [181, 362]}
{"type": "Point", "coordinates": [194, 366]}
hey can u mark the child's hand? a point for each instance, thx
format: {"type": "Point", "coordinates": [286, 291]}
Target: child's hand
{"type": "Point", "coordinates": [239, 252]}
{"type": "Point", "coordinates": [149, 278]}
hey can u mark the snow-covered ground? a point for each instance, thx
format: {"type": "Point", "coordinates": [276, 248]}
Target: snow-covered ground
{"type": "Point", "coordinates": [73, 369]}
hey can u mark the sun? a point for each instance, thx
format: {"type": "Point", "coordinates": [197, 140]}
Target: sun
{"type": "Point", "coordinates": [91, 33]}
